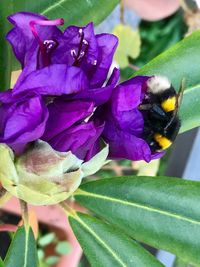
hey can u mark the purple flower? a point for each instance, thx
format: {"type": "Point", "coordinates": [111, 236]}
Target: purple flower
{"type": "Point", "coordinates": [60, 85]}
{"type": "Point", "coordinates": [68, 128]}
{"type": "Point", "coordinates": [22, 119]}
{"type": "Point", "coordinates": [78, 59]}
{"type": "Point", "coordinates": [64, 96]}
{"type": "Point", "coordinates": [67, 125]}
{"type": "Point", "coordinates": [124, 123]}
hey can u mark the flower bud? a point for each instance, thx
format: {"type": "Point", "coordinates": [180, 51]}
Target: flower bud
{"type": "Point", "coordinates": [44, 176]}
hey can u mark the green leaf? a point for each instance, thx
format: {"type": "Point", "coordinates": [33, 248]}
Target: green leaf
{"type": "Point", "coordinates": [168, 31]}
{"type": "Point", "coordinates": [180, 263]}
{"type": "Point", "coordinates": [5, 50]}
{"type": "Point", "coordinates": [106, 246]}
{"type": "Point", "coordinates": [63, 247]}
{"type": "Point", "coordinates": [129, 44]}
{"type": "Point", "coordinates": [181, 61]}
{"type": "Point", "coordinates": [160, 211]}
{"type": "Point", "coordinates": [77, 12]}
{"type": "Point", "coordinates": [1, 263]}
{"type": "Point", "coordinates": [22, 251]}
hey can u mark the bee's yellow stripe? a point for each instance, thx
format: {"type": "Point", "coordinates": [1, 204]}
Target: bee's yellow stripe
{"type": "Point", "coordinates": [163, 141]}
{"type": "Point", "coordinates": [169, 104]}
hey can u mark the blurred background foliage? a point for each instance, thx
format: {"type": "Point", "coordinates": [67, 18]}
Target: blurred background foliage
{"type": "Point", "coordinates": [156, 37]}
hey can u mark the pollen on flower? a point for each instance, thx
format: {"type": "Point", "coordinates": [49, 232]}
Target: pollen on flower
{"type": "Point", "coordinates": [94, 62]}
{"type": "Point", "coordinates": [85, 42]}
{"type": "Point", "coordinates": [50, 45]}
{"type": "Point", "coordinates": [80, 32]}
{"type": "Point", "coordinates": [73, 53]}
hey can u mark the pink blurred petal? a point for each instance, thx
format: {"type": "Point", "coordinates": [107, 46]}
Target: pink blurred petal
{"type": "Point", "coordinates": [153, 9]}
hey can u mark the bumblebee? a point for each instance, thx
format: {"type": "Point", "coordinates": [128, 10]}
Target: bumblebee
{"type": "Point", "coordinates": [160, 110]}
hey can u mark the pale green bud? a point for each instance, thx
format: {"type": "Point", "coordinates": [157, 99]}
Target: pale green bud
{"type": "Point", "coordinates": [43, 176]}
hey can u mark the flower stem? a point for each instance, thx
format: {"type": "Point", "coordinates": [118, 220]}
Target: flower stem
{"type": "Point", "coordinates": [133, 67]}
{"type": "Point", "coordinates": [24, 210]}
{"type": "Point", "coordinates": [122, 11]}
{"type": "Point", "coordinates": [67, 209]}
{"type": "Point", "coordinates": [4, 196]}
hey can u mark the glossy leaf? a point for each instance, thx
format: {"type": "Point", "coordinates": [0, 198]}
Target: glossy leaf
{"type": "Point", "coordinates": [77, 12]}
{"type": "Point", "coordinates": [181, 61]}
{"type": "Point", "coordinates": [106, 246]}
{"type": "Point", "coordinates": [22, 251]}
{"type": "Point", "coordinates": [5, 50]}
{"type": "Point", "coordinates": [160, 211]}
{"type": "Point", "coordinates": [1, 263]}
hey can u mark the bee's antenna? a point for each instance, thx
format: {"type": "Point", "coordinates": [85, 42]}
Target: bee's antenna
{"type": "Point", "coordinates": [180, 94]}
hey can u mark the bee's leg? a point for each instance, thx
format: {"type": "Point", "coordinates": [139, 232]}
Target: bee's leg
{"type": "Point", "coordinates": [145, 107]}
{"type": "Point", "coordinates": [157, 112]}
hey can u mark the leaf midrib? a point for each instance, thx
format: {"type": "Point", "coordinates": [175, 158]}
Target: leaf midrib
{"type": "Point", "coordinates": [99, 240]}
{"type": "Point", "coordinates": [137, 205]}
{"type": "Point", "coordinates": [26, 247]}
{"type": "Point", "coordinates": [51, 7]}
{"type": "Point", "coordinates": [187, 90]}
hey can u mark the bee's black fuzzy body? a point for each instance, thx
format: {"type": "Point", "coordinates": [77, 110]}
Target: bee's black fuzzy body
{"type": "Point", "coordinates": [161, 122]}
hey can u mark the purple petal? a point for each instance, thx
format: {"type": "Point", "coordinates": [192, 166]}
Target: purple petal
{"type": "Point", "coordinates": [22, 122]}
{"type": "Point", "coordinates": [63, 114]}
{"type": "Point", "coordinates": [79, 139]}
{"type": "Point", "coordinates": [90, 59]}
{"type": "Point", "coordinates": [21, 37]}
{"type": "Point", "coordinates": [128, 95]}
{"type": "Point", "coordinates": [125, 145]}
{"type": "Point", "coordinates": [100, 95]}
{"type": "Point", "coordinates": [107, 44]}
{"type": "Point", "coordinates": [158, 155]}
{"type": "Point", "coordinates": [131, 121]}
{"type": "Point", "coordinates": [56, 79]}
{"type": "Point", "coordinates": [6, 96]}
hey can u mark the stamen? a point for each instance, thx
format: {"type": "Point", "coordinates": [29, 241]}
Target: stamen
{"type": "Point", "coordinates": [81, 54]}
{"type": "Point", "coordinates": [82, 49]}
{"type": "Point", "coordinates": [80, 32]}
{"type": "Point", "coordinates": [50, 45]}
{"type": "Point", "coordinates": [85, 42]}
{"type": "Point", "coordinates": [73, 53]}
{"type": "Point", "coordinates": [47, 45]}
{"type": "Point", "coordinates": [94, 62]}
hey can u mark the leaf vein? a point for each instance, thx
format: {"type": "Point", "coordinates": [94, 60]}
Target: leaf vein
{"type": "Point", "coordinates": [57, 4]}
{"type": "Point", "coordinates": [137, 205]}
{"type": "Point", "coordinates": [100, 240]}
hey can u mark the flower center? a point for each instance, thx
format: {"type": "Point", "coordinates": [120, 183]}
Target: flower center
{"type": "Point", "coordinates": [50, 45]}
{"type": "Point", "coordinates": [46, 46]}
{"type": "Point", "coordinates": [82, 49]}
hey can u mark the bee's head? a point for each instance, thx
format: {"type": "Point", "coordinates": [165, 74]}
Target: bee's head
{"type": "Point", "coordinates": [157, 84]}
